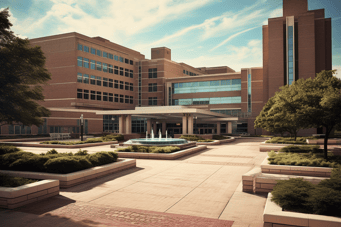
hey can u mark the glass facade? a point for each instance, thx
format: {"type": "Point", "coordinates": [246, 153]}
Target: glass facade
{"type": "Point", "coordinates": [228, 112]}
{"type": "Point", "coordinates": [206, 101]}
{"type": "Point", "coordinates": [110, 123]}
{"type": "Point", "coordinates": [207, 86]}
{"type": "Point", "coordinates": [249, 105]}
{"type": "Point", "coordinates": [290, 54]}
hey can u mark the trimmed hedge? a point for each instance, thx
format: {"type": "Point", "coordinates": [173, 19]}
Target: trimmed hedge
{"type": "Point", "coordinates": [205, 141]}
{"type": "Point", "coordinates": [8, 181]}
{"type": "Point", "coordinates": [219, 137]}
{"type": "Point", "coordinates": [301, 149]}
{"type": "Point", "coordinates": [309, 159]}
{"type": "Point", "coordinates": [195, 138]}
{"type": "Point", "coordinates": [54, 162]}
{"type": "Point", "coordinates": [107, 138]}
{"type": "Point", "coordinates": [4, 149]}
{"type": "Point", "coordinates": [302, 196]}
{"type": "Point", "coordinates": [288, 140]}
{"type": "Point", "coordinates": [153, 149]}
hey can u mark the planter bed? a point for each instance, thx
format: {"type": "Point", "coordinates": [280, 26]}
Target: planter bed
{"type": "Point", "coordinates": [295, 170]}
{"type": "Point", "coordinates": [321, 141]}
{"type": "Point", "coordinates": [217, 142]}
{"type": "Point", "coordinates": [265, 147]}
{"type": "Point", "coordinates": [161, 156]}
{"type": "Point", "coordinates": [274, 216]}
{"type": "Point", "coordinates": [79, 177]}
{"type": "Point", "coordinates": [19, 144]}
{"type": "Point", "coordinates": [25, 139]}
{"type": "Point", "coordinates": [11, 198]}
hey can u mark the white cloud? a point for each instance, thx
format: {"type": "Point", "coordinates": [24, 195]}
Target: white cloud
{"type": "Point", "coordinates": [338, 72]}
{"type": "Point", "coordinates": [275, 13]}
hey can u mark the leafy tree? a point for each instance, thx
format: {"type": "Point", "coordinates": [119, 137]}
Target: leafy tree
{"type": "Point", "coordinates": [22, 70]}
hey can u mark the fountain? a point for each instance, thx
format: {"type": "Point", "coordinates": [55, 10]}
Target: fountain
{"type": "Point", "coordinates": [156, 141]}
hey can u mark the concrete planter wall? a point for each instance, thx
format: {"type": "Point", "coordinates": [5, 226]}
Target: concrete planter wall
{"type": "Point", "coordinates": [72, 179]}
{"type": "Point", "coordinates": [11, 198]}
{"type": "Point", "coordinates": [321, 141]}
{"type": "Point", "coordinates": [274, 217]}
{"type": "Point", "coordinates": [162, 156]}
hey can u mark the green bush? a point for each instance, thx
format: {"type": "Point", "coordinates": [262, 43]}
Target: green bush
{"type": "Point", "coordinates": [33, 163]}
{"type": "Point", "coordinates": [5, 149]}
{"type": "Point", "coordinates": [81, 152]}
{"type": "Point", "coordinates": [53, 151]}
{"type": "Point", "coordinates": [288, 140]}
{"type": "Point", "coordinates": [113, 137]}
{"type": "Point", "coordinates": [7, 159]}
{"type": "Point", "coordinates": [102, 158]}
{"type": "Point", "coordinates": [205, 141]}
{"type": "Point", "coordinates": [191, 137]}
{"type": "Point", "coordinates": [94, 140]}
{"type": "Point", "coordinates": [301, 149]}
{"type": "Point", "coordinates": [219, 137]}
{"type": "Point", "coordinates": [293, 194]}
{"type": "Point", "coordinates": [325, 201]}
{"type": "Point", "coordinates": [63, 165]}
{"type": "Point", "coordinates": [152, 149]}
{"type": "Point", "coordinates": [308, 159]}
{"type": "Point", "coordinates": [8, 181]}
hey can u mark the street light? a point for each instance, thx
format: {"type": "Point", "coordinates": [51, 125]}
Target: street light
{"type": "Point", "coordinates": [195, 124]}
{"type": "Point", "coordinates": [81, 127]}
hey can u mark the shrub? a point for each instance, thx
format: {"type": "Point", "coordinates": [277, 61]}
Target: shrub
{"type": "Point", "coordinates": [301, 149]}
{"type": "Point", "coordinates": [335, 180]}
{"type": "Point", "coordinates": [94, 140]}
{"type": "Point", "coordinates": [8, 181]}
{"type": "Point", "coordinates": [205, 141]}
{"type": "Point", "coordinates": [102, 158]}
{"type": "Point", "coordinates": [62, 165]}
{"type": "Point", "coordinates": [33, 163]}
{"type": "Point", "coordinates": [293, 194]}
{"type": "Point", "coordinates": [325, 201]}
{"type": "Point", "coordinates": [219, 137]}
{"type": "Point", "coordinates": [53, 151]}
{"type": "Point", "coordinates": [191, 137]}
{"type": "Point", "coordinates": [5, 149]}
{"type": "Point", "coordinates": [81, 152]}
{"type": "Point", "coordinates": [284, 140]}
{"type": "Point", "coordinates": [113, 137]}
{"type": "Point", "coordinates": [7, 159]}
{"type": "Point", "coordinates": [152, 149]}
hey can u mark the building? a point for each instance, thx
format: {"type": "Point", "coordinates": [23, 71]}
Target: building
{"type": "Point", "coordinates": [106, 82]}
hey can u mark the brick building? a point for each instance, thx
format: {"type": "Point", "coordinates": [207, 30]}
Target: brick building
{"type": "Point", "coordinates": [95, 77]}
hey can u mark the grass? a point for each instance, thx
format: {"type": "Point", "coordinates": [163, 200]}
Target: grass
{"type": "Point", "coordinates": [308, 159]}
{"type": "Point", "coordinates": [152, 149]}
{"type": "Point", "coordinates": [8, 181]}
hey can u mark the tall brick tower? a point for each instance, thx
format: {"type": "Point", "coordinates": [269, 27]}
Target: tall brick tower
{"type": "Point", "coordinates": [297, 45]}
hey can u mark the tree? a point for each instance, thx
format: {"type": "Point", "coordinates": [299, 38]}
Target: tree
{"type": "Point", "coordinates": [22, 72]}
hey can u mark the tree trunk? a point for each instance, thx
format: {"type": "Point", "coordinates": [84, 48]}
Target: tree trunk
{"type": "Point", "coordinates": [295, 134]}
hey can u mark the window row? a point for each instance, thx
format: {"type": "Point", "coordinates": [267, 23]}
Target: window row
{"type": "Point", "coordinates": [152, 101]}
{"type": "Point", "coordinates": [228, 112]}
{"type": "Point", "coordinates": [189, 73]}
{"type": "Point", "coordinates": [104, 54]}
{"type": "Point", "coordinates": [207, 86]}
{"type": "Point", "coordinates": [96, 65]}
{"type": "Point", "coordinates": [19, 129]}
{"type": "Point", "coordinates": [206, 101]}
{"type": "Point", "coordinates": [107, 97]}
{"type": "Point", "coordinates": [97, 80]}
{"type": "Point", "coordinates": [152, 87]}
{"type": "Point", "coordinates": [152, 73]}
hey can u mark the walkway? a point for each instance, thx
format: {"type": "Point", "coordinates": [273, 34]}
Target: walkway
{"type": "Point", "coordinates": [203, 189]}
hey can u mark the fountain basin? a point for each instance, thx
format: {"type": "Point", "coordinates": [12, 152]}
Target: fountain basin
{"type": "Point", "coordinates": [156, 141]}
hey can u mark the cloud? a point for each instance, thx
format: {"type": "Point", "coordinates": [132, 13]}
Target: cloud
{"type": "Point", "coordinates": [232, 37]}
{"type": "Point", "coordinates": [338, 72]}
{"type": "Point", "coordinates": [275, 13]}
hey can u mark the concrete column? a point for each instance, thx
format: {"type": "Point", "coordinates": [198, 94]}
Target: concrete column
{"type": "Point", "coordinates": [190, 124]}
{"type": "Point", "coordinates": [149, 125]}
{"type": "Point", "coordinates": [218, 128]}
{"type": "Point", "coordinates": [229, 127]}
{"type": "Point", "coordinates": [121, 124]}
{"type": "Point", "coordinates": [184, 124]}
{"type": "Point", "coordinates": [154, 127]}
{"type": "Point", "coordinates": [128, 124]}
{"type": "Point", "coordinates": [164, 128]}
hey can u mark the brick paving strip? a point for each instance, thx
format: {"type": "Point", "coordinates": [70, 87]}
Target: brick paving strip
{"type": "Point", "coordinates": [82, 212]}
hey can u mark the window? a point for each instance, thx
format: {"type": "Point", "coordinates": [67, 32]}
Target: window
{"type": "Point", "coordinates": [111, 70]}
{"type": "Point", "coordinates": [116, 84]}
{"type": "Point", "coordinates": [111, 99]}
{"type": "Point", "coordinates": [92, 80]}
{"type": "Point", "coordinates": [126, 61]}
{"type": "Point", "coordinates": [99, 66]}
{"type": "Point", "coordinates": [80, 47]}
{"type": "Point", "coordinates": [121, 71]}
{"type": "Point", "coordinates": [93, 51]}
{"type": "Point", "coordinates": [92, 64]}
{"type": "Point", "coordinates": [121, 99]}
{"type": "Point", "coordinates": [80, 61]}
{"type": "Point", "coordinates": [99, 53]}
{"type": "Point", "coordinates": [131, 87]}
{"type": "Point", "coordinates": [131, 73]}
{"type": "Point", "coordinates": [121, 85]}
{"type": "Point", "coordinates": [152, 73]}
{"type": "Point", "coordinates": [111, 56]}
{"type": "Point", "coordinates": [105, 67]}
{"type": "Point", "coordinates": [184, 71]}
{"type": "Point", "coordinates": [152, 87]}
{"type": "Point", "coordinates": [86, 63]}
{"type": "Point", "coordinates": [105, 82]}
{"type": "Point", "coordinates": [86, 78]}
{"type": "Point", "coordinates": [86, 49]}
{"type": "Point", "coordinates": [126, 100]}
{"type": "Point", "coordinates": [111, 83]}
{"type": "Point", "coordinates": [126, 87]}
{"type": "Point", "coordinates": [116, 58]}
{"type": "Point", "coordinates": [126, 72]}
{"type": "Point", "coordinates": [105, 54]}
{"type": "Point", "coordinates": [121, 59]}
{"type": "Point", "coordinates": [79, 93]}
{"type": "Point", "coordinates": [79, 78]}
{"type": "Point", "coordinates": [99, 96]}
{"type": "Point", "coordinates": [86, 94]}
{"type": "Point", "coordinates": [116, 70]}
{"type": "Point", "coordinates": [99, 80]}
{"type": "Point", "coordinates": [152, 101]}
{"type": "Point", "coordinates": [116, 97]}
{"type": "Point", "coordinates": [131, 62]}
{"type": "Point", "coordinates": [105, 96]}
{"type": "Point", "coordinates": [131, 100]}
{"type": "Point", "coordinates": [93, 95]}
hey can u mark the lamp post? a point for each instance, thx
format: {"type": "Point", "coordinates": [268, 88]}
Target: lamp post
{"type": "Point", "coordinates": [81, 127]}
{"type": "Point", "coordinates": [195, 124]}
{"type": "Point", "coordinates": [112, 124]}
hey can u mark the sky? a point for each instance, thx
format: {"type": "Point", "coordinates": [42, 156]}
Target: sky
{"type": "Point", "coordinates": [201, 33]}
